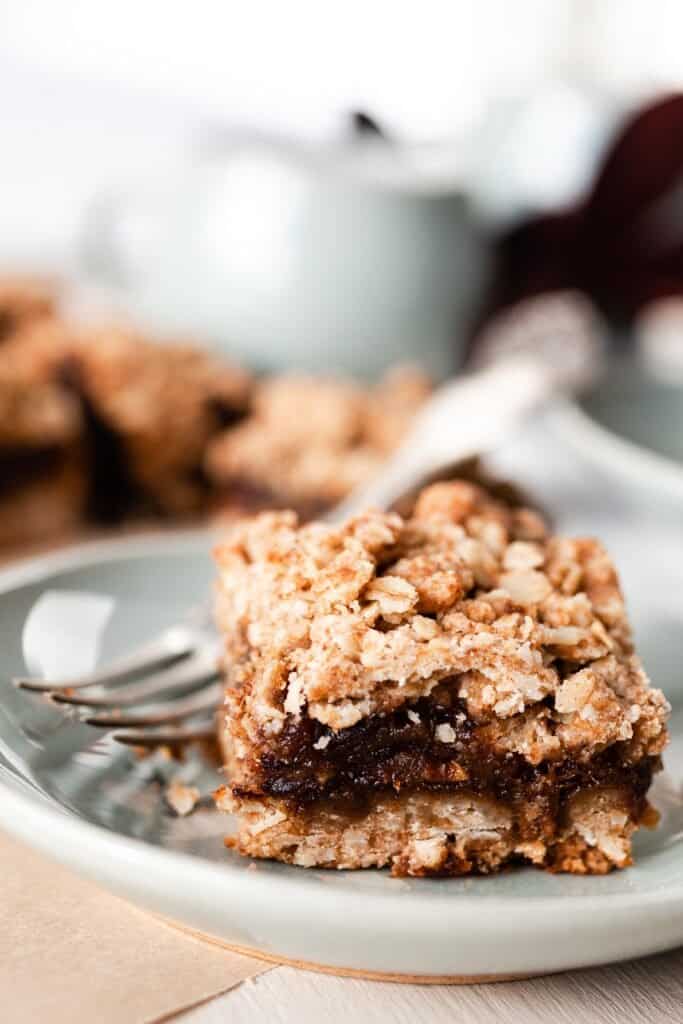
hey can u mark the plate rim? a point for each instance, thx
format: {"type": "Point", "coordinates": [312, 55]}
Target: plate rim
{"type": "Point", "coordinates": [644, 467]}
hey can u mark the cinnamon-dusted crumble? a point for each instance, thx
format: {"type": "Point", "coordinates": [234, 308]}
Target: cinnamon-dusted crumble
{"type": "Point", "coordinates": [309, 440]}
{"type": "Point", "coordinates": [442, 694]}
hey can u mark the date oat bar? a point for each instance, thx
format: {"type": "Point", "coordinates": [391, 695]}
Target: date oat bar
{"type": "Point", "coordinates": [168, 430]}
{"type": "Point", "coordinates": [150, 410]}
{"type": "Point", "coordinates": [143, 412]}
{"type": "Point", "coordinates": [442, 695]}
{"type": "Point", "coordinates": [309, 441]}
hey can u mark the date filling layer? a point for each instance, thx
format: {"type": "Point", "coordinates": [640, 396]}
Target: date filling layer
{"type": "Point", "coordinates": [430, 746]}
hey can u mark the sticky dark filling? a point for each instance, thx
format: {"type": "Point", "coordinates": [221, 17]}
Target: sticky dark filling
{"type": "Point", "coordinates": [21, 467]}
{"type": "Point", "coordinates": [395, 752]}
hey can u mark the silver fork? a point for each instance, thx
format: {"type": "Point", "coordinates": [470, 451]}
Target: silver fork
{"type": "Point", "coordinates": [170, 681]}
{"type": "Point", "coordinates": [168, 690]}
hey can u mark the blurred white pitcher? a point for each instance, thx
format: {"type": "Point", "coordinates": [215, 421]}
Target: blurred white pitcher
{"type": "Point", "coordinates": [348, 258]}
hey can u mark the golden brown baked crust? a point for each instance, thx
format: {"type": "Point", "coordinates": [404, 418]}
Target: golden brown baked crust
{"type": "Point", "coordinates": [435, 833]}
{"type": "Point", "coordinates": [462, 649]}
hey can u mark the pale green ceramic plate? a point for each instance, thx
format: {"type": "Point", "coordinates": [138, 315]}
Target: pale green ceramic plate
{"type": "Point", "coordinates": [69, 791]}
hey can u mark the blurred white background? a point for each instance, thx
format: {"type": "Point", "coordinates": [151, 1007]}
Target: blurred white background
{"type": "Point", "coordinates": [94, 91]}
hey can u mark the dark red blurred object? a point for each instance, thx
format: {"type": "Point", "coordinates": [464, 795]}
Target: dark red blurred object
{"type": "Point", "coordinates": [623, 244]}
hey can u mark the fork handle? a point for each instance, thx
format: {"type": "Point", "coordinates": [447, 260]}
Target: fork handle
{"type": "Point", "coordinates": [465, 417]}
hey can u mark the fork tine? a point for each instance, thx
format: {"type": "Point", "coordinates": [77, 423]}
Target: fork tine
{"type": "Point", "coordinates": [205, 730]}
{"type": "Point", "coordinates": [190, 673]}
{"type": "Point", "coordinates": [173, 644]}
{"type": "Point", "coordinates": [163, 714]}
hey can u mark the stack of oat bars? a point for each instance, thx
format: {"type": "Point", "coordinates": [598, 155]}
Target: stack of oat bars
{"type": "Point", "coordinates": [100, 424]}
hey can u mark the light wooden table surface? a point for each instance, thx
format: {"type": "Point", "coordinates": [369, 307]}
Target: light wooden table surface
{"type": "Point", "coordinates": [648, 991]}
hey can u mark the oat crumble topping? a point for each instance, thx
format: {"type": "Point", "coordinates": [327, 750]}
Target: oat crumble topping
{"type": "Point", "coordinates": [338, 624]}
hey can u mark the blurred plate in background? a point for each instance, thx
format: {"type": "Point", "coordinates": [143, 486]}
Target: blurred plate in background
{"type": "Point", "coordinates": [631, 426]}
